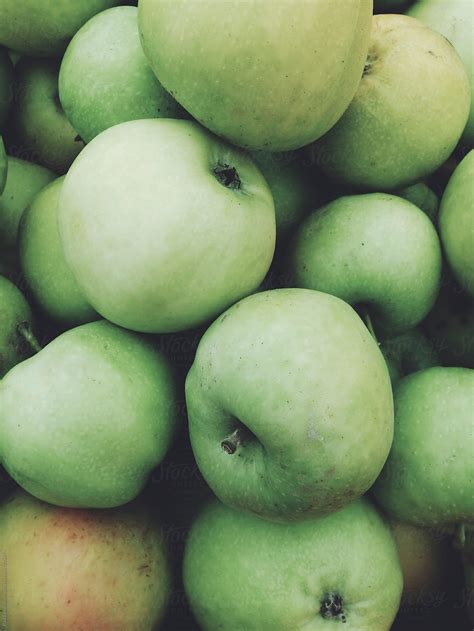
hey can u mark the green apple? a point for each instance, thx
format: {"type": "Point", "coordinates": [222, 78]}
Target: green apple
{"type": "Point", "coordinates": [265, 75]}
{"type": "Point", "coordinates": [3, 166]}
{"type": "Point", "coordinates": [378, 250]}
{"type": "Point", "coordinates": [6, 84]}
{"type": "Point", "coordinates": [285, 388]}
{"type": "Point", "coordinates": [454, 19]}
{"type": "Point", "coordinates": [408, 114]}
{"type": "Point", "coordinates": [42, 261]}
{"type": "Point", "coordinates": [38, 125]}
{"type": "Point", "coordinates": [408, 352]}
{"type": "Point", "coordinates": [293, 187]}
{"type": "Point", "coordinates": [105, 78]}
{"type": "Point", "coordinates": [428, 477]}
{"type": "Point", "coordinates": [450, 327]}
{"type": "Point", "coordinates": [81, 569]}
{"type": "Point", "coordinates": [165, 225]}
{"type": "Point", "coordinates": [426, 559]}
{"type": "Point", "coordinates": [24, 180]}
{"type": "Point", "coordinates": [15, 314]}
{"type": "Point", "coordinates": [422, 196]}
{"type": "Point", "coordinates": [83, 422]}
{"type": "Point", "coordinates": [456, 222]}
{"type": "Point", "coordinates": [241, 572]}
{"type": "Point", "coordinates": [43, 28]}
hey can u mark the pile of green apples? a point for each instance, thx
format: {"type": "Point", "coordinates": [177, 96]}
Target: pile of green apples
{"type": "Point", "coordinates": [236, 315]}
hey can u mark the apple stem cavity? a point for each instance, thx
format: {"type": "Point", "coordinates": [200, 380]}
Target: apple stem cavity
{"type": "Point", "coordinates": [227, 176]}
{"type": "Point", "coordinates": [233, 441]}
{"type": "Point", "coordinates": [27, 334]}
{"type": "Point", "coordinates": [331, 607]}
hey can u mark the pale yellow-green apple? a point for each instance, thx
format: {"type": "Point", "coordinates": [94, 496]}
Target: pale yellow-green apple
{"type": "Point", "coordinates": [38, 126]}
{"type": "Point", "coordinates": [290, 405]}
{"type": "Point", "coordinates": [81, 569]}
{"type": "Point", "coordinates": [15, 317]}
{"type": "Point", "coordinates": [3, 165]}
{"type": "Point", "coordinates": [83, 422]}
{"type": "Point", "coordinates": [105, 78]}
{"type": "Point", "coordinates": [456, 223]}
{"type": "Point", "coordinates": [408, 114]}
{"type": "Point", "coordinates": [6, 84]}
{"type": "Point", "coordinates": [43, 28]}
{"type": "Point", "coordinates": [455, 20]}
{"type": "Point", "coordinates": [422, 196]}
{"type": "Point", "coordinates": [408, 352]}
{"type": "Point", "coordinates": [24, 180]}
{"type": "Point", "coordinates": [241, 572]}
{"type": "Point", "coordinates": [450, 327]}
{"type": "Point", "coordinates": [44, 268]}
{"type": "Point", "coordinates": [265, 75]}
{"type": "Point", "coordinates": [376, 250]}
{"type": "Point", "coordinates": [427, 562]}
{"type": "Point", "coordinates": [293, 186]}
{"type": "Point", "coordinates": [164, 225]}
{"type": "Point", "coordinates": [427, 479]}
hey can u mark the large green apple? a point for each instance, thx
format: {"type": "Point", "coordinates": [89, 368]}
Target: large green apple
{"type": "Point", "coordinates": [15, 313]}
{"type": "Point", "coordinates": [164, 225]}
{"type": "Point", "coordinates": [241, 572]}
{"type": "Point", "coordinates": [290, 405]}
{"type": "Point", "coordinates": [408, 352]}
{"type": "Point", "coordinates": [42, 261]}
{"type": "Point", "coordinates": [293, 186]}
{"type": "Point", "coordinates": [6, 84]}
{"type": "Point", "coordinates": [43, 28]}
{"type": "Point", "coordinates": [105, 78]}
{"type": "Point", "coordinates": [24, 180]}
{"type": "Point", "coordinates": [428, 477]}
{"type": "Point", "coordinates": [408, 114]}
{"type": "Point", "coordinates": [378, 250]}
{"type": "Point", "coordinates": [38, 126]}
{"type": "Point", "coordinates": [454, 19]}
{"type": "Point", "coordinates": [83, 422]}
{"type": "Point", "coordinates": [81, 569]}
{"type": "Point", "coordinates": [456, 222]}
{"type": "Point", "coordinates": [265, 75]}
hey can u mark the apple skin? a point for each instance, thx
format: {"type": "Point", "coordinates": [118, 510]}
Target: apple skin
{"type": "Point", "coordinates": [44, 268]}
{"type": "Point", "coordinates": [83, 422]}
{"type": "Point", "coordinates": [408, 352]}
{"type": "Point", "coordinates": [429, 471]}
{"type": "Point", "coordinates": [376, 249]}
{"type": "Point", "coordinates": [6, 84]}
{"type": "Point", "coordinates": [105, 78]}
{"type": "Point", "coordinates": [299, 378]}
{"type": "Point", "coordinates": [14, 311]}
{"type": "Point", "coordinates": [3, 166]}
{"type": "Point", "coordinates": [408, 114]}
{"type": "Point", "coordinates": [24, 180]}
{"type": "Point", "coordinates": [456, 223]}
{"type": "Point", "coordinates": [82, 569]}
{"type": "Point", "coordinates": [293, 187]}
{"type": "Point", "coordinates": [452, 19]}
{"type": "Point", "coordinates": [38, 126]}
{"type": "Point", "coordinates": [200, 237]}
{"type": "Point", "coordinates": [241, 572]}
{"type": "Point", "coordinates": [427, 562]}
{"type": "Point", "coordinates": [43, 28]}
{"type": "Point", "coordinates": [204, 54]}
{"type": "Point", "coordinates": [422, 196]}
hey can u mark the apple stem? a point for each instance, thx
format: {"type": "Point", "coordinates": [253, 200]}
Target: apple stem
{"type": "Point", "coordinates": [369, 325]}
{"type": "Point", "coordinates": [233, 441]}
{"type": "Point", "coordinates": [24, 329]}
